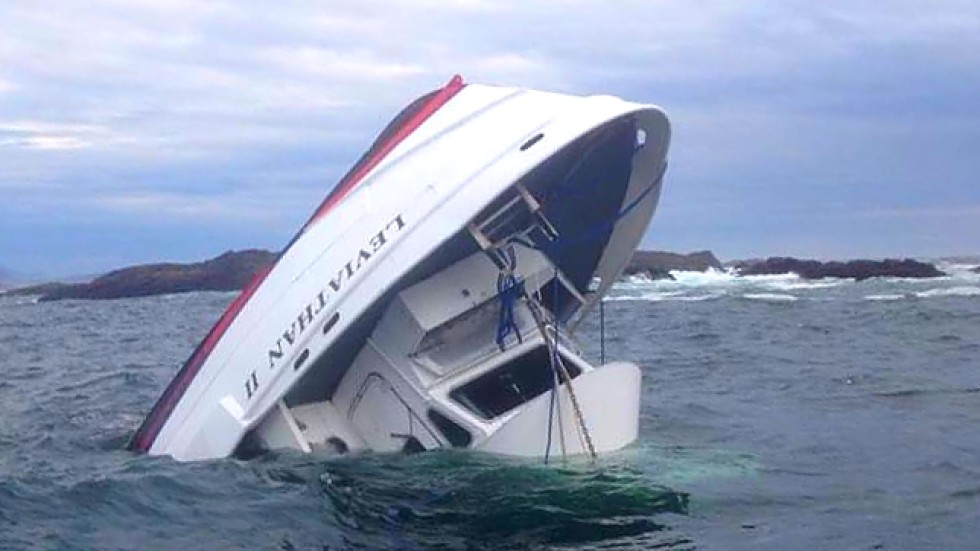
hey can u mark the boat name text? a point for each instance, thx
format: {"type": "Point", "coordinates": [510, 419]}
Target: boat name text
{"type": "Point", "coordinates": [314, 307]}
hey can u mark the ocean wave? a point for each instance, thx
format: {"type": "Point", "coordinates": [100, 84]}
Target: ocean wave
{"type": "Point", "coordinates": [956, 267]}
{"type": "Point", "coordinates": [727, 279]}
{"type": "Point", "coordinates": [712, 284]}
{"type": "Point", "coordinates": [885, 297]}
{"type": "Point", "coordinates": [803, 285]}
{"type": "Point", "coordinates": [709, 278]}
{"type": "Point", "coordinates": [641, 296]}
{"type": "Point", "coordinates": [771, 278]}
{"type": "Point", "coordinates": [954, 273]}
{"type": "Point", "coordinates": [665, 297]}
{"type": "Point", "coordinates": [713, 277]}
{"type": "Point", "coordinates": [914, 280]}
{"type": "Point", "coordinates": [770, 297]}
{"type": "Point", "coordinates": [950, 292]}
{"type": "Point", "coordinates": [18, 300]}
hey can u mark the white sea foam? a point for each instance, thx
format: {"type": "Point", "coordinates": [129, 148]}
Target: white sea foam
{"type": "Point", "coordinates": [18, 300]}
{"type": "Point", "coordinates": [665, 297]}
{"type": "Point", "coordinates": [653, 295]}
{"type": "Point", "coordinates": [714, 284]}
{"type": "Point", "coordinates": [769, 279]}
{"type": "Point", "coordinates": [950, 292]}
{"type": "Point", "coordinates": [956, 268]}
{"type": "Point", "coordinates": [803, 285]}
{"type": "Point", "coordinates": [635, 279]}
{"type": "Point", "coordinates": [885, 297]}
{"type": "Point", "coordinates": [914, 280]}
{"type": "Point", "coordinates": [962, 273]}
{"type": "Point", "coordinates": [709, 278]}
{"type": "Point", "coordinates": [771, 297]}
{"type": "Point", "coordinates": [699, 298]}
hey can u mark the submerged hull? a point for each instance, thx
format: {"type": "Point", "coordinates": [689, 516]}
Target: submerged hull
{"type": "Point", "coordinates": [375, 318]}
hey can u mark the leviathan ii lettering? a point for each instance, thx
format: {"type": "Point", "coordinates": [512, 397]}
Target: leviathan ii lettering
{"type": "Point", "coordinates": [316, 306]}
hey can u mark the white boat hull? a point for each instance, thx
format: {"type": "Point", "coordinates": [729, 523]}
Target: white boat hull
{"type": "Point", "coordinates": [295, 345]}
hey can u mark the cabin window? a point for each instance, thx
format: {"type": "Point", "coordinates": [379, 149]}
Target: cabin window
{"type": "Point", "coordinates": [534, 139]}
{"type": "Point", "coordinates": [510, 385]}
{"type": "Point", "coordinates": [331, 321]}
{"type": "Point", "coordinates": [457, 436]}
{"type": "Point", "coordinates": [303, 356]}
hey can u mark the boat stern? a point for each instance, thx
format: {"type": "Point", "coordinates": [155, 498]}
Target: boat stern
{"type": "Point", "coordinates": [606, 401]}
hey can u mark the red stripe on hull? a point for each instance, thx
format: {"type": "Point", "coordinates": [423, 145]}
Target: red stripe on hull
{"type": "Point", "coordinates": [165, 406]}
{"type": "Point", "coordinates": [148, 431]}
{"type": "Point", "coordinates": [350, 182]}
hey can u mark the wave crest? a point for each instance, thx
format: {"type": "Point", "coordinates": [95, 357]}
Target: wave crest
{"type": "Point", "coordinates": [950, 292]}
{"type": "Point", "coordinates": [771, 297]}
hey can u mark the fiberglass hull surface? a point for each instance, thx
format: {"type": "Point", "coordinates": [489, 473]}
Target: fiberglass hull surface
{"type": "Point", "coordinates": [416, 198]}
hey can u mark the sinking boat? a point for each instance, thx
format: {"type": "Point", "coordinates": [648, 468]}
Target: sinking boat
{"type": "Point", "coordinates": [432, 299]}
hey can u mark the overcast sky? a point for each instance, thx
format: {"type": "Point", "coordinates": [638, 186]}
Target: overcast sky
{"type": "Point", "coordinates": [144, 130]}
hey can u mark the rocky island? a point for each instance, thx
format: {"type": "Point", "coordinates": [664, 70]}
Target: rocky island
{"type": "Point", "coordinates": [858, 270]}
{"type": "Point", "coordinates": [658, 264]}
{"type": "Point", "coordinates": [227, 272]}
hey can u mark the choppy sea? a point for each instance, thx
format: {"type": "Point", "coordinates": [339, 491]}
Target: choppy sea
{"type": "Point", "coordinates": [777, 414]}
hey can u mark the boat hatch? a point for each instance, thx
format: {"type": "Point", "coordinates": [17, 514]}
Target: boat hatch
{"type": "Point", "coordinates": [509, 385]}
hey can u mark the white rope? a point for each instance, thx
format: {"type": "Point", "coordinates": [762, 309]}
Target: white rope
{"type": "Point", "coordinates": [585, 439]}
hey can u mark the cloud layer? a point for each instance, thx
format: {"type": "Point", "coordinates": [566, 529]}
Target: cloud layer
{"type": "Point", "coordinates": [135, 130]}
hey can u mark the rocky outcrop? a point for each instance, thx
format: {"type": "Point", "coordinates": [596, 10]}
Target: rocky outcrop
{"type": "Point", "coordinates": [658, 264]}
{"type": "Point", "coordinates": [854, 269]}
{"type": "Point", "coordinates": [228, 272]}
{"type": "Point", "coordinates": [975, 269]}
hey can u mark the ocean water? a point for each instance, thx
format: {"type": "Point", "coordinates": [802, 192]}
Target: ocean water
{"type": "Point", "coordinates": [777, 414]}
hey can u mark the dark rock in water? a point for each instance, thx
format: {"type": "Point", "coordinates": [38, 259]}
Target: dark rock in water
{"type": "Point", "coordinates": [229, 272]}
{"type": "Point", "coordinates": [975, 269]}
{"type": "Point", "coordinates": [657, 264]}
{"type": "Point", "coordinates": [854, 269]}
{"type": "Point", "coordinates": [656, 273]}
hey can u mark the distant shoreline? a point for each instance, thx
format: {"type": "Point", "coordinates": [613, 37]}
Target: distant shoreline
{"type": "Point", "coordinates": [231, 270]}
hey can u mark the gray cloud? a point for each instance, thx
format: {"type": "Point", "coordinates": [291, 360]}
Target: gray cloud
{"type": "Point", "coordinates": [154, 111]}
